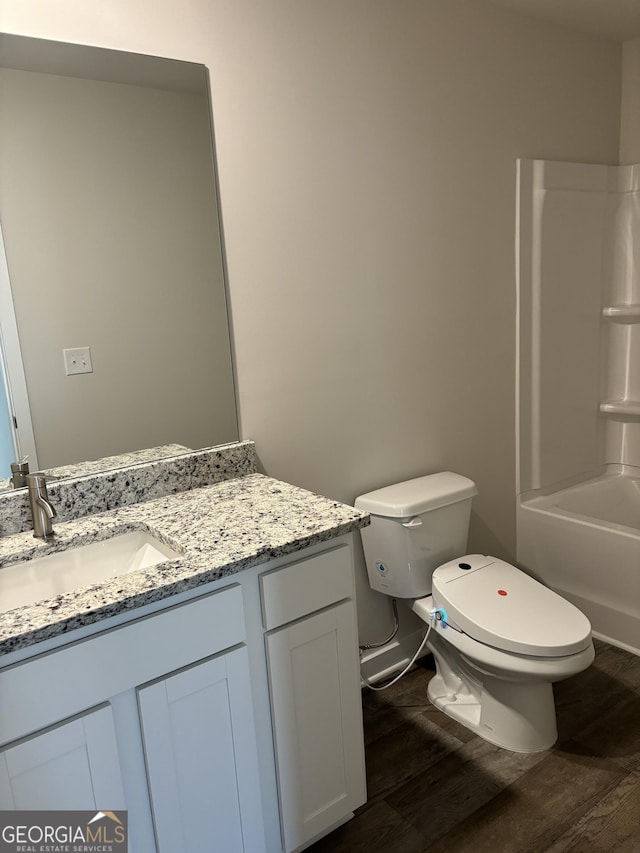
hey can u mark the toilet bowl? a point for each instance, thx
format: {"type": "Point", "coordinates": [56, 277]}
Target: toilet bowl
{"type": "Point", "coordinates": [499, 638]}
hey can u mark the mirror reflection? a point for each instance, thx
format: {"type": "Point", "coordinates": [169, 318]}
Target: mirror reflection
{"type": "Point", "coordinates": [108, 208]}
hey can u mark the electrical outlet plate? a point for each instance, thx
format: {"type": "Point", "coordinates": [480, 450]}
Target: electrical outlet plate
{"type": "Point", "coordinates": [77, 360]}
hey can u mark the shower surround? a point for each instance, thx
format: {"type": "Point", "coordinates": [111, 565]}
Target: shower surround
{"type": "Point", "coordinates": [578, 388]}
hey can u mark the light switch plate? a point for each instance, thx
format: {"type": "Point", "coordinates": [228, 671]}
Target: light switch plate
{"type": "Point", "coordinates": [77, 360]}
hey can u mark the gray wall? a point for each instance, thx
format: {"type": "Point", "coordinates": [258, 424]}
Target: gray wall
{"type": "Point", "coordinates": [630, 119]}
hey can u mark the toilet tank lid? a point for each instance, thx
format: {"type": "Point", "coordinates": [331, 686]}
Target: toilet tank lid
{"type": "Point", "coordinates": [418, 495]}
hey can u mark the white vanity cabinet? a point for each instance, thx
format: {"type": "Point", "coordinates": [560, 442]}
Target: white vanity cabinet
{"type": "Point", "coordinates": [312, 655]}
{"type": "Point", "coordinates": [226, 719]}
{"type": "Point", "coordinates": [155, 717]}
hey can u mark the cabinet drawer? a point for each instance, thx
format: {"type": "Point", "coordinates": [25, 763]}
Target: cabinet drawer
{"type": "Point", "coordinates": [300, 588]}
{"type": "Point", "coordinates": [54, 686]}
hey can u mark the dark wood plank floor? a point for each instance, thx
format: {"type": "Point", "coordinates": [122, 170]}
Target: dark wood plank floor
{"type": "Point", "coordinates": [433, 785]}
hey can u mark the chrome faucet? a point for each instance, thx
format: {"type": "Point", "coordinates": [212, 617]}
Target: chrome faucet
{"type": "Point", "coordinates": [19, 471]}
{"type": "Point", "coordinates": [42, 512]}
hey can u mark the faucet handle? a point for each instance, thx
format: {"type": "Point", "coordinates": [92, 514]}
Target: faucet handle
{"type": "Point", "coordinates": [36, 478]}
{"type": "Point", "coordinates": [44, 476]}
{"type": "Point", "coordinates": [50, 478]}
{"type": "Point", "coordinates": [19, 471]}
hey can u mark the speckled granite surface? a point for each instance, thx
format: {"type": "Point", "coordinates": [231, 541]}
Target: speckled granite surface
{"type": "Point", "coordinates": [219, 530]}
{"type": "Point", "coordinates": [99, 491]}
{"type": "Point", "coordinates": [108, 463]}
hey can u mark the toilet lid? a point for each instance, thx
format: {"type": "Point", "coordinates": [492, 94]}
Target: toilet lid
{"type": "Point", "coordinates": [501, 606]}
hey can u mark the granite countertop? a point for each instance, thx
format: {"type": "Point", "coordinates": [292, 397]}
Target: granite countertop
{"type": "Point", "coordinates": [107, 463]}
{"type": "Point", "coordinates": [219, 530]}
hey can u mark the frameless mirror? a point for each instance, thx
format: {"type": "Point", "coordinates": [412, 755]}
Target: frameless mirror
{"type": "Point", "coordinates": [109, 213]}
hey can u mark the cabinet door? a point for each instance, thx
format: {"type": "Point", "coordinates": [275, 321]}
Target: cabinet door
{"type": "Point", "coordinates": [317, 722]}
{"type": "Point", "coordinates": [73, 765]}
{"type": "Point", "coordinates": [201, 755]}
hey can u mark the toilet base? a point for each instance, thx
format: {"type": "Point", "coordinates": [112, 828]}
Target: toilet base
{"type": "Point", "coordinates": [516, 716]}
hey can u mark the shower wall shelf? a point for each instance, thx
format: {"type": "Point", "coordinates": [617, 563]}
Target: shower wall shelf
{"type": "Point", "coordinates": [626, 313]}
{"type": "Point", "coordinates": [624, 409]}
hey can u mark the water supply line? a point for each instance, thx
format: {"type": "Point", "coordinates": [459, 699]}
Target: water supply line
{"type": "Point", "coordinates": [396, 625]}
{"type": "Point", "coordinates": [434, 616]}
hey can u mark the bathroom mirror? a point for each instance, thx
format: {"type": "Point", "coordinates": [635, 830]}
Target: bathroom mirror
{"type": "Point", "coordinates": [110, 218]}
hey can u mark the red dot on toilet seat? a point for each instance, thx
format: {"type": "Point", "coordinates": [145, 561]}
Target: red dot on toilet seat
{"type": "Point", "coordinates": [502, 592]}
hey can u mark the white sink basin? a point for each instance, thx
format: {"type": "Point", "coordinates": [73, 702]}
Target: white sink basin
{"type": "Point", "coordinates": [46, 577]}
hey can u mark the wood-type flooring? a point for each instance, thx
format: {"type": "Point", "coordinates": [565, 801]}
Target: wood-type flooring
{"type": "Point", "coordinates": [435, 786]}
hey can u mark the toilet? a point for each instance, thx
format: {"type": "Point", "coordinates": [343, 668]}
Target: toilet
{"type": "Point", "coordinates": [498, 637]}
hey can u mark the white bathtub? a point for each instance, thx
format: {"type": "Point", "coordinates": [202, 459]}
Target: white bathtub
{"type": "Point", "coordinates": [584, 542]}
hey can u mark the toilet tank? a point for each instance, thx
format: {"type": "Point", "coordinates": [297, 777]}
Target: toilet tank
{"type": "Point", "coordinates": [415, 527]}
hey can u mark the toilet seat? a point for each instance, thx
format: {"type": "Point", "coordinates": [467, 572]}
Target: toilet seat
{"type": "Point", "coordinates": [494, 603]}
